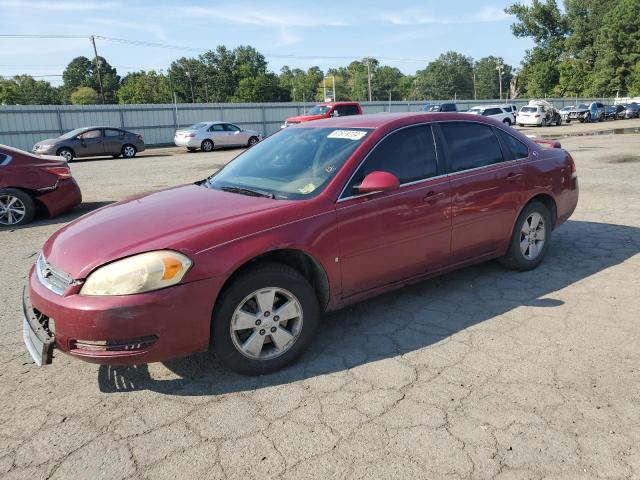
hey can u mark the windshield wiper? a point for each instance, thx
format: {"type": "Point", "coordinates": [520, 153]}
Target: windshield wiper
{"type": "Point", "coordinates": [248, 191]}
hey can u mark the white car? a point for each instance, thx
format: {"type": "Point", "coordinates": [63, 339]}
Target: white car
{"type": "Point", "coordinates": [209, 135]}
{"type": "Point", "coordinates": [502, 113]}
{"type": "Point", "coordinates": [538, 113]}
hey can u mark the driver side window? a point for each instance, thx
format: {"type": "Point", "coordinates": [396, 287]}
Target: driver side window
{"type": "Point", "coordinates": [409, 154]}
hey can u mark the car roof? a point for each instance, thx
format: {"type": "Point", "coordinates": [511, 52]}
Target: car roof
{"type": "Point", "coordinates": [379, 120]}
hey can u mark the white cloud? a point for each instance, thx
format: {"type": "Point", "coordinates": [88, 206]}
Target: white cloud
{"type": "Point", "coordinates": [59, 6]}
{"type": "Point", "coordinates": [422, 17]}
{"type": "Point", "coordinates": [252, 16]}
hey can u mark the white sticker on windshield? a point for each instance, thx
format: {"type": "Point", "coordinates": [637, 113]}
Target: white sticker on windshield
{"type": "Point", "coordinates": [347, 134]}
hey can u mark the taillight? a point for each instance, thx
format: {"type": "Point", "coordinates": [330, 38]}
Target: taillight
{"type": "Point", "coordinates": [537, 116]}
{"type": "Point", "coordinates": [572, 163]}
{"type": "Point", "coordinates": [62, 172]}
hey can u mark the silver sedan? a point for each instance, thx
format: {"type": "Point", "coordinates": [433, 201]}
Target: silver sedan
{"type": "Point", "coordinates": [209, 135]}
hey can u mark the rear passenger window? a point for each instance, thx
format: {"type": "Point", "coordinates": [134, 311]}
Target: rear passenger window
{"type": "Point", "coordinates": [109, 132]}
{"type": "Point", "coordinates": [409, 154]}
{"type": "Point", "coordinates": [347, 110]}
{"type": "Point", "coordinates": [515, 149]}
{"type": "Point", "coordinates": [469, 145]}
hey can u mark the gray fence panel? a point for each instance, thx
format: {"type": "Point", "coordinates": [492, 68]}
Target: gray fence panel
{"type": "Point", "coordinates": [22, 126]}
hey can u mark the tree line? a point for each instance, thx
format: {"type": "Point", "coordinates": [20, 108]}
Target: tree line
{"type": "Point", "coordinates": [587, 48]}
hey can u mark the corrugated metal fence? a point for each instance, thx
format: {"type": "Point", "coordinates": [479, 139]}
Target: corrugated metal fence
{"type": "Point", "coordinates": [23, 125]}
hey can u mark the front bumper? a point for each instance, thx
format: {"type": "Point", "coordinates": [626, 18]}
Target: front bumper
{"type": "Point", "coordinates": [36, 334]}
{"type": "Point", "coordinates": [127, 329]}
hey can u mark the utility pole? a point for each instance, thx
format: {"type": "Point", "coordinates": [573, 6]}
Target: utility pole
{"type": "Point", "coordinates": [369, 76]}
{"type": "Point", "coordinates": [499, 67]}
{"type": "Point", "coordinates": [475, 90]}
{"type": "Point", "coordinates": [333, 77]}
{"type": "Point", "coordinates": [95, 51]}
{"type": "Point", "coordinates": [324, 88]}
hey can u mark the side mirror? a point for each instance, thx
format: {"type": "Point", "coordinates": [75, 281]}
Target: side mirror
{"type": "Point", "coordinates": [379, 182]}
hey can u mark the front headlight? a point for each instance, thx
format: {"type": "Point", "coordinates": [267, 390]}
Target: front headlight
{"type": "Point", "coordinates": [137, 274]}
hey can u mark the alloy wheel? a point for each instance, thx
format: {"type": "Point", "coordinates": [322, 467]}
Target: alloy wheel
{"type": "Point", "coordinates": [266, 323]}
{"type": "Point", "coordinates": [532, 236]}
{"type": "Point", "coordinates": [12, 210]}
{"type": "Point", "coordinates": [129, 151]}
{"type": "Point", "coordinates": [66, 154]}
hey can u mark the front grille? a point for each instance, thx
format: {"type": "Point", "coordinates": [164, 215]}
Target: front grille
{"type": "Point", "coordinates": [128, 345]}
{"type": "Point", "coordinates": [51, 277]}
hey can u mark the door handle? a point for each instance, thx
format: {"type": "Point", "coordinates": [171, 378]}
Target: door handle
{"type": "Point", "coordinates": [512, 177]}
{"type": "Point", "coordinates": [432, 197]}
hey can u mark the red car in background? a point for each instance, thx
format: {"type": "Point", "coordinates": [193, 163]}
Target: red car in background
{"type": "Point", "coordinates": [325, 110]}
{"type": "Point", "coordinates": [311, 219]}
{"type": "Point", "coordinates": [31, 183]}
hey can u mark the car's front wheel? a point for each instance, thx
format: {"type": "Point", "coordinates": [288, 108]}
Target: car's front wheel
{"type": "Point", "coordinates": [128, 151]}
{"type": "Point", "coordinates": [506, 121]}
{"type": "Point", "coordinates": [16, 207]}
{"type": "Point", "coordinates": [264, 320]}
{"type": "Point", "coordinates": [530, 238]}
{"type": "Point", "coordinates": [252, 141]}
{"type": "Point", "coordinates": [66, 153]}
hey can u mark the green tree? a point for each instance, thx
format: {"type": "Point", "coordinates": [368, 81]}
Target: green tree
{"type": "Point", "coordinates": [82, 72]}
{"type": "Point", "coordinates": [449, 76]}
{"type": "Point", "coordinates": [25, 90]}
{"type": "Point", "coordinates": [85, 96]}
{"type": "Point", "coordinates": [145, 87]}
{"type": "Point", "coordinates": [387, 80]}
{"type": "Point", "coordinates": [487, 78]}
{"type": "Point", "coordinates": [261, 88]}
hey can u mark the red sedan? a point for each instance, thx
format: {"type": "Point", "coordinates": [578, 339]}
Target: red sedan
{"type": "Point", "coordinates": [29, 183]}
{"type": "Point", "coordinates": [313, 218]}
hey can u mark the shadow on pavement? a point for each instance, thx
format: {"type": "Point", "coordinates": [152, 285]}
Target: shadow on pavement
{"type": "Point", "coordinates": [409, 319]}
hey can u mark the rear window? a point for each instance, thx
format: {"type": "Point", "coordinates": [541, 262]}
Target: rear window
{"type": "Point", "coordinates": [196, 126]}
{"type": "Point", "coordinates": [529, 109]}
{"type": "Point", "coordinates": [343, 110]}
{"type": "Point", "coordinates": [4, 159]}
{"type": "Point", "coordinates": [513, 149]}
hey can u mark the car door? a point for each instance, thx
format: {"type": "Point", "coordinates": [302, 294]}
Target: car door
{"type": "Point", "coordinates": [235, 135]}
{"type": "Point", "coordinates": [218, 134]}
{"type": "Point", "coordinates": [486, 189]}
{"type": "Point", "coordinates": [386, 237]}
{"type": "Point", "coordinates": [91, 143]}
{"type": "Point", "coordinates": [114, 139]}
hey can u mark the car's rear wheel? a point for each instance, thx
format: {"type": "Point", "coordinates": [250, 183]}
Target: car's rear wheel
{"type": "Point", "coordinates": [252, 141]}
{"type": "Point", "coordinates": [264, 320]}
{"type": "Point", "coordinates": [66, 153]}
{"type": "Point", "coordinates": [507, 121]}
{"type": "Point", "coordinates": [128, 151]}
{"type": "Point", "coordinates": [530, 238]}
{"type": "Point", "coordinates": [16, 207]}
{"type": "Point", "coordinates": [206, 145]}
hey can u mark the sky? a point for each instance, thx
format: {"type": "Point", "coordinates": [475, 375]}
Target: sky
{"type": "Point", "coordinates": [406, 33]}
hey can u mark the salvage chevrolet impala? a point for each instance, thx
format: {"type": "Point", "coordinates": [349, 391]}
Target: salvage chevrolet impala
{"type": "Point", "coordinates": [318, 216]}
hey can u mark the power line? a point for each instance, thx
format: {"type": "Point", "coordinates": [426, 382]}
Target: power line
{"type": "Point", "coordinates": [167, 46]}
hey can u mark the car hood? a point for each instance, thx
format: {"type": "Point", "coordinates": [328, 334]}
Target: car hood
{"type": "Point", "coordinates": [48, 141]}
{"type": "Point", "coordinates": [188, 219]}
{"type": "Point", "coordinates": [304, 118]}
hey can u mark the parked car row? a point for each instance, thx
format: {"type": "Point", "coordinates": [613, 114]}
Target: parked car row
{"type": "Point", "coordinates": [598, 112]}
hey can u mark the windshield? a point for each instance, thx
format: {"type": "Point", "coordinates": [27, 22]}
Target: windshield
{"type": "Point", "coordinates": [583, 105]}
{"type": "Point", "coordinates": [295, 163]}
{"type": "Point", "coordinates": [319, 110]}
{"type": "Point", "coordinates": [72, 133]}
{"type": "Point", "coordinates": [196, 126]}
{"type": "Point", "coordinates": [528, 109]}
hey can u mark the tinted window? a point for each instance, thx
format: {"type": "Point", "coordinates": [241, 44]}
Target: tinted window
{"type": "Point", "coordinates": [409, 154]}
{"type": "Point", "coordinates": [514, 148]}
{"type": "Point", "coordinates": [196, 126]}
{"type": "Point", "coordinates": [529, 109]}
{"type": "Point", "coordinates": [216, 127]}
{"type": "Point", "coordinates": [448, 107]}
{"type": "Point", "coordinates": [492, 111]}
{"type": "Point", "coordinates": [4, 159]}
{"type": "Point", "coordinates": [231, 128]}
{"type": "Point", "coordinates": [347, 110]}
{"type": "Point", "coordinates": [109, 132]}
{"type": "Point", "coordinates": [470, 145]}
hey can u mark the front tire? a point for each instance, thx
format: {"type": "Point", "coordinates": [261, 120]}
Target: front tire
{"type": "Point", "coordinates": [206, 145]}
{"type": "Point", "coordinates": [128, 151]}
{"type": "Point", "coordinates": [530, 238]}
{"type": "Point", "coordinates": [16, 207]}
{"type": "Point", "coordinates": [264, 320]}
{"type": "Point", "coordinates": [252, 141]}
{"type": "Point", "coordinates": [66, 153]}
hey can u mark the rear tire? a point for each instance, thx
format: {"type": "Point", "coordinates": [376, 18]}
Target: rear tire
{"type": "Point", "coordinates": [530, 238]}
{"type": "Point", "coordinates": [16, 207]}
{"type": "Point", "coordinates": [507, 121]}
{"type": "Point", "coordinates": [206, 145]}
{"type": "Point", "coordinates": [66, 153]}
{"type": "Point", "coordinates": [253, 350]}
